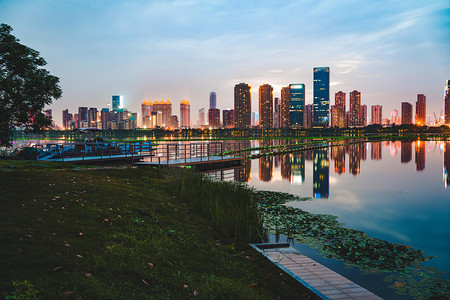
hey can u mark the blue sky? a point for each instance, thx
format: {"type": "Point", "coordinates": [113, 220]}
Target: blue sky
{"type": "Point", "coordinates": [388, 50]}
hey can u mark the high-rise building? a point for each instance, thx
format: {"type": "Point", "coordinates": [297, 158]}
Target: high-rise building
{"type": "Point", "coordinates": [185, 114]}
{"type": "Point", "coordinates": [83, 117]}
{"type": "Point", "coordinates": [117, 102]}
{"type": "Point", "coordinates": [266, 106]}
{"type": "Point", "coordinates": [447, 103]}
{"type": "Point", "coordinates": [363, 118]}
{"type": "Point", "coordinates": [212, 100]}
{"type": "Point", "coordinates": [308, 116]}
{"type": "Point", "coordinates": [201, 117]}
{"type": "Point", "coordinates": [321, 90]}
{"type": "Point", "coordinates": [377, 114]}
{"type": "Point", "coordinates": [254, 119]}
{"type": "Point", "coordinates": [65, 118]}
{"type": "Point", "coordinates": [105, 118]}
{"type": "Point", "coordinates": [276, 113]}
{"type": "Point", "coordinates": [296, 105]}
{"type": "Point", "coordinates": [395, 118]}
{"type": "Point", "coordinates": [214, 117]}
{"type": "Point", "coordinates": [92, 117]}
{"type": "Point", "coordinates": [421, 110]}
{"type": "Point", "coordinates": [355, 108]}
{"type": "Point", "coordinates": [242, 106]}
{"type": "Point", "coordinates": [284, 108]}
{"type": "Point", "coordinates": [228, 118]}
{"type": "Point", "coordinates": [339, 103]}
{"type": "Point", "coordinates": [146, 112]}
{"type": "Point", "coordinates": [166, 112]}
{"type": "Point", "coordinates": [407, 113]}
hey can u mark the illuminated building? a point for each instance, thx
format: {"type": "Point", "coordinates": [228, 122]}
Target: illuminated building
{"type": "Point", "coordinates": [447, 103]}
{"type": "Point", "coordinates": [82, 117]}
{"type": "Point", "coordinates": [363, 118]}
{"type": "Point", "coordinates": [407, 113]}
{"type": "Point", "coordinates": [92, 117]}
{"type": "Point", "coordinates": [377, 114]}
{"type": "Point", "coordinates": [395, 118]}
{"type": "Point", "coordinates": [276, 113]}
{"type": "Point", "coordinates": [421, 110]}
{"type": "Point", "coordinates": [406, 152]}
{"type": "Point", "coordinates": [201, 117]}
{"type": "Point", "coordinates": [284, 108]}
{"type": "Point", "coordinates": [66, 118]}
{"type": "Point", "coordinates": [308, 116]}
{"type": "Point", "coordinates": [254, 119]}
{"type": "Point", "coordinates": [321, 91]}
{"type": "Point", "coordinates": [296, 105]}
{"type": "Point", "coordinates": [117, 102]}
{"type": "Point", "coordinates": [214, 117]}
{"type": "Point", "coordinates": [146, 113]}
{"type": "Point", "coordinates": [105, 118]}
{"type": "Point", "coordinates": [242, 106]}
{"type": "Point", "coordinates": [338, 118]}
{"type": "Point", "coordinates": [420, 155]}
{"type": "Point", "coordinates": [376, 151]}
{"type": "Point", "coordinates": [321, 174]}
{"type": "Point", "coordinates": [266, 106]}
{"type": "Point", "coordinates": [174, 122]}
{"type": "Point", "coordinates": [166, 112]}
{"type": "Point", "coordinates": [185, 114]}
{"type": "Point", "coordinates": [446, 163]}
{"type": "Point", "coordinates": [228, 118]}
{"type": "Point", "coordinates": [212, 100]}
{"type": "Point", "coordinates": [355, 109]}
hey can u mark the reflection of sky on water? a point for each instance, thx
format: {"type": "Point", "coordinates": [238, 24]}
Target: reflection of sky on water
{"type": "Point", "coordinates": [392, 191]}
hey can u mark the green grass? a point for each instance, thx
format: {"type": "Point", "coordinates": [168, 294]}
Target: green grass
{"type": "Point", "coordinates": [127, 234]}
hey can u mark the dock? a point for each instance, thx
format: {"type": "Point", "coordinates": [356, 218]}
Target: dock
{"type": "Point", "coordinates": [324, 282]}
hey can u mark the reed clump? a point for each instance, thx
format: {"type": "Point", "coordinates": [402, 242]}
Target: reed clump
{"type": "Point", "coordinates": [227, 206]}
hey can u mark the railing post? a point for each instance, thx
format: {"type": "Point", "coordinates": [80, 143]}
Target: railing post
{"type": "Point", "coordinates": [201, 152]}
{"type": "Point", "coordinates": [221, 148]}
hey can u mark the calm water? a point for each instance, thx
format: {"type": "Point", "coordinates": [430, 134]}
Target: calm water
{"type": "Point", "coordinates": [395, 191]}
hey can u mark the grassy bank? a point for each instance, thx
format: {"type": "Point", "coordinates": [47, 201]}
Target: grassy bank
{"type": "Point", "coordinates": [127, 233]}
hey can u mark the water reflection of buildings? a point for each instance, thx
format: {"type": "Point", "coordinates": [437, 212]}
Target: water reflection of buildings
{"type": "Point", "coordinates": [375, 151]}
{"type": "Point", "coordinates": [406, 153]}
{"type": "Point", "coordinates": [354, 158]}
{"type": "Point", "coordinates": [321, 174]}
{"type": "Point", "coordinates": [420, 155]}
{"type": "Point", "coordinates": [297, 162]}
{"type": "Point", "coordinates": [446, 164]}
{"type": "Point", "coordinates": [338, 154]}
{"type": "Point", "coordinates": [265, 168]}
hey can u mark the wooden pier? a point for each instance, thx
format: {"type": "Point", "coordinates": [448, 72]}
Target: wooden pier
{"type": "Point", "coordinates": [324, 282]}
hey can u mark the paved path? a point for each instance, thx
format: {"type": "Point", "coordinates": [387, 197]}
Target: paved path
{"type": "Point", "coordinates": [324, 280]}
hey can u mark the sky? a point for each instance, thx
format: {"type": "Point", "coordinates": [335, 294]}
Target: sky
{"type": "Point", "coordinates": [389, 50]}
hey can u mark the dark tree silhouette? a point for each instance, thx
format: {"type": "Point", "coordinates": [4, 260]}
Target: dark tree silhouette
{"type": "Point", "coordinates": [25, 87]}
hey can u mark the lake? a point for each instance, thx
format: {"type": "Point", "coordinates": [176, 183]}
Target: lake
{"type": "Point", "coordinates": [394, 191]}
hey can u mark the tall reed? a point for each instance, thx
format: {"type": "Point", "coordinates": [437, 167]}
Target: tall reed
{"type": "Point", "coordinates": [227, 206]}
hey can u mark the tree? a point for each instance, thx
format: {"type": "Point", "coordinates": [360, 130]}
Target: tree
{"type": "Point", "coordinates": [25, 87]}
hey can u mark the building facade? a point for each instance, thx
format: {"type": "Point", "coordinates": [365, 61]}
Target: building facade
{"type": "Point", "coordinates": [355, 109]}
{"type": "Point", "coordinates": [308, 116]}
{"type": "Point", "coordinates": [339, 103]}
{"type": "Point", "coordinates": [201, 117]}
{"type": "Point", "coordinates": [117, 102]}
{"type": "Point", "coordinates": [265, 106]}
{"type": "Point", "coordinates": [185, 114]}
{"type": "Point", "coordinates": [296, 105]}
{"type": "Point", "coordinates": [276, 112]}
{"type": "Point", "coordinates": [242, 105]}
{"type": "Point", "coordinates": [212, 100]}
{"type": "Point", "coordinates": [321, 94]}
{"type": "Point", "coordinates": [284, 108]}
{"type": "Point", "coordinates": [228, 118]}
{"type": "Point", "coordinates": [447, 103]}
{"type": "Point", "coordinates": [363, 118]}
{"type": "Point", "coordinates": [214, 117]}
{"type": "Point", "coordinates": [421, 110]}
{"type": "Point", "coordinates": [407, 113]}
{"type": "Point", "coordinates": [166, 113]}
{"type": "Point", "coordinates": [376, 114]}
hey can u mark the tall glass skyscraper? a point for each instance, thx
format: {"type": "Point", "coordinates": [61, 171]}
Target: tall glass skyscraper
{"type": "Point", "coordinates": [321, 90]}
{"type": "Point", "coordinates": [117, 102]}
{"type": "Point", "coordinates": [212, 100]}
{"type": "Point", "coordinates": [296, 104]}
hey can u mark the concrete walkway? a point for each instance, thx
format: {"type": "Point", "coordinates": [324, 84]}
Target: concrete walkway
{"type": "Point", "coordinates": [328, 283]}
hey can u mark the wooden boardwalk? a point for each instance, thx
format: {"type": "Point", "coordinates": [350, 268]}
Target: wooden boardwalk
{"type": "Point", "coordinates": [98, 158]}
{"type": "Point", "coordinates": [190, 161]}
{"type": "Point", "coordinates": [326, 283]}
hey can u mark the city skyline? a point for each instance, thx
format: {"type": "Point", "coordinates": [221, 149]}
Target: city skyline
{"type": "Point", "coordinates": [176, 50]}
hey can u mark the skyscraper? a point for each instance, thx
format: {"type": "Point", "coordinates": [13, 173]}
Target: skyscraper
{"type": "Point", "coordinates": [146, 112]}
{"type": "Point", "coordinates": [421, 110]}
{"type": "Point", "coordinates": [65, 118]}
{"type": "Point", "coordinates": [296, 105]}
{"type": "Point", "coordinates": [284, 108]}
{"type": "Point", "coordinates": [276, 113]}
{"type": "Point", "coordinates": [214, 117]}
{"type": "Point", "coordinates": [321, 90]}
{"type": "Point", "coordinates": [212, 100]}
{"type": "Point", "coordinates": [83, 117]}
{"type": "Point", "coordinates": [105, 118]}
{"type": "Point", "coordinates": [166, 113]}
{"type": "Point", "coordinates": [407, 113]}
{"type": "Point", "coordinates": [92, 117]}
{"type": "Point", "coordinates": [363, 118]}
{"type": "Point", "coordinates": [447, 103]}
{"type": "Point", "coordinates": [117, 102]}
{"type": "Point", "coordinates": [228, 118]}
{"type": "Point", "coordinates": [242, 106]}
{"type": "Point", "coordinates": [185, 114]}
{"type": "Point", "coordinates": [201, 117]}
{"type": "Point", "coordinates": [339, 103]}
{"type": "Point", "coordinates": [266, 106]}
{"type": "Point", "coordinates": [377, 114]}
{"type": "Point", "coordinates": [308, 116]}
{"type": "Point", "coordinates": [355, 108]}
